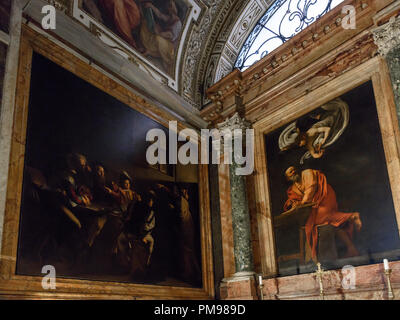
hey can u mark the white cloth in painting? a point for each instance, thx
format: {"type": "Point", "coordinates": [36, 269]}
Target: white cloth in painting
{"type": "Point", "coordinates": [335, 115]}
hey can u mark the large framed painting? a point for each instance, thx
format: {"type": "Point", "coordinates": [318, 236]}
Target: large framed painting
{"type": "Point", "coordinates": [329, 175]}
{"type": "Point", "coordinates": [89, 204]}
{"type": "Point", "coordinates": [153, 32]}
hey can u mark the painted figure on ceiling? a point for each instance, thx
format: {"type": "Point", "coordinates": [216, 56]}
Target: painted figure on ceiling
{"type": "Point", "coordinates": [160, 34]}
{"type": "Point", "coordinates": [92, 7]}
{"type": "Point", "coordinates": [126, 16]}
{"type": "Point", "coordinates": [151, 27]}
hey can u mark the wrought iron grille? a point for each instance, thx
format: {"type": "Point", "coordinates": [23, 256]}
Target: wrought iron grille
{"type": "Point", "coordinates": [282, 21]}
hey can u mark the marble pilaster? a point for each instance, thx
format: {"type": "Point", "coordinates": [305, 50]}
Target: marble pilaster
{"type": "Point", "coordinates": [387, 38]}
{"type": "Point", "coordinates": [243, 253]}
{"type": "Point", "coordinates": [8, 101]}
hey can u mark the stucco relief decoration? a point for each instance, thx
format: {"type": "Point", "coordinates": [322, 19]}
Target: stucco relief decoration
{"type": "Point", "coordinates": [247, 21]}
{"type": "Point", "coordinates": [62, 5]}
{"type": "Point", "coordinates": [150, 33]}
{"type": "Point", "coordinates": [207, 40]}
{"type": "Point", "coordinates": [226, 50]}
{"type": "Point", "coordinates": [197, 38]}
{"type": "Point", "coordinates": [387, 36]}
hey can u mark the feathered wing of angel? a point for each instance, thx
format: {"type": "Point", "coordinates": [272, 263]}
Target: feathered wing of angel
{"type": "Point", "coordinates": [321, 130]}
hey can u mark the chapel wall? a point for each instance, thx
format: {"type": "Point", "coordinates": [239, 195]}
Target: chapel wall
{"type": "Point", "coordinates": [307, 63]}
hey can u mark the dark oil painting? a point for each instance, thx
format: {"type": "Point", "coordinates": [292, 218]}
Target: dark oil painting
{"type": "Point", "coordinates": [5, 9]}
{"type": "Point", "coordinates": [151, 27]}
{"type": "Point", "coordinates": [330, 194]}
{"type": "Point", "coordinates": [3, 58]}
{"type": "Point", "coordinates": [91, 205]}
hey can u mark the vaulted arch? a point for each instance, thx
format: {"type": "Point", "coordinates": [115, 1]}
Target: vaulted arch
{"type": "Point", "coordinates": [261, 27]}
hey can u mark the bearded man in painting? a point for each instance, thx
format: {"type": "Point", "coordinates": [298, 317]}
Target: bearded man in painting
{"type": "Point", "coordinates": [311, 187]}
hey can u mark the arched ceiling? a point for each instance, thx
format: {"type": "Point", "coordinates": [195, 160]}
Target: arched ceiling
{"type": "Point", "coordinates": [209, 37]}
{"type": "Point", "coordinates": [230, 28]}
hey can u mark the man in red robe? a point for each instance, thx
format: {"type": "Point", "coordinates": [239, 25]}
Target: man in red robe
{"type": "Point", "coordinates": [311, 187]}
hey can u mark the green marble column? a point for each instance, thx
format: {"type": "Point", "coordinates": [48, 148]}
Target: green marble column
{"type": "Point", "coordinates": [240, 209]}
{"type": "Point", "coordinates": [241, 223]}
{"type": "Point", "coordinates": [387, 38]}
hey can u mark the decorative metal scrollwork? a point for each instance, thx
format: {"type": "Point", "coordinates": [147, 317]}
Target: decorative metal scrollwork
{"type": "Point", "coordinates": [283, 20]}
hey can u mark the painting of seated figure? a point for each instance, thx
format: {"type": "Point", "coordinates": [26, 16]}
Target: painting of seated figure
{"type": "Point", "coordinates": [151, 27]}
{"type": "Point", "coordinates": [330, 192]}
{"type": "Point", "coordinates": [92, 206]}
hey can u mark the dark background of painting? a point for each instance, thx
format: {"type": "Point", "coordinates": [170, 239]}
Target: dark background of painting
{"type": "Point", "coordinates": [5, 9]}
{"type": "Point", "coordinates": [355, 167]}
{"type": "Point", "coordinates": [67, 114]}
{"type": "Point", "coordinates": [3, 56]}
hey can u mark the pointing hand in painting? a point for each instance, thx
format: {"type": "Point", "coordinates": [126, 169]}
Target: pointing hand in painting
{"type": "Point", "coordinates": [86, 200]}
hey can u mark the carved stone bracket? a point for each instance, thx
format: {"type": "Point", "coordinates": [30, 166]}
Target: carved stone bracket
{"type": "Point", "coordinates": [233, 123]}
{"type": "Point", "coordinates": [387, 36]}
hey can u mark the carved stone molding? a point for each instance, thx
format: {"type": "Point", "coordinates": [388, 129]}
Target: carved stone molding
{"type": "Point", "coordinates": [229, 43]}
{"type": "Point", "coordinates": [235, 122]}
{"type": "Point", "coordinates": [387, 36]}
{"type": "Point", "coordinates": [200, 44]}
{"type": "Point", "coordinates": [238, 35]}
{"type": "Point", "coordinates": [62, 5]}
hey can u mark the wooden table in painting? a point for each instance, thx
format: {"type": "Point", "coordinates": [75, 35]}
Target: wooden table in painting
{"type": "Point", "coordinates": [295, 217]}
{"type": "Point", "coordinates": [95, 216]}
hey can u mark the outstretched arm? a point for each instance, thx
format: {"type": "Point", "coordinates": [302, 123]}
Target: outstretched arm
{"type": "Point", "coordinates": [325, 130]}
{"type": "Point", "coordinates": [310, 186]}
{"type": "Point", "coordinates": [317, 151]}
{"type": "Point", "coordinates": [71, 216]}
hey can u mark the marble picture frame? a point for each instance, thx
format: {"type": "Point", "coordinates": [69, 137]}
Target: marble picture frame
{"type": "Point", "coordinates": [374, 70]}
{"type": "Point", "coordinates": [30, 287]}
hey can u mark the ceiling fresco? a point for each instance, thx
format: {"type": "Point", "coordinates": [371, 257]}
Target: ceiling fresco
{"type": "Point", "coordinates": [150, 33]}
{"type": "Point", "coordinates": [187, 45]}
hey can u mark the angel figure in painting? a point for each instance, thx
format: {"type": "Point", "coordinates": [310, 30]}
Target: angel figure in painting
{"type": "Point", "coordinates": [319, 130]}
